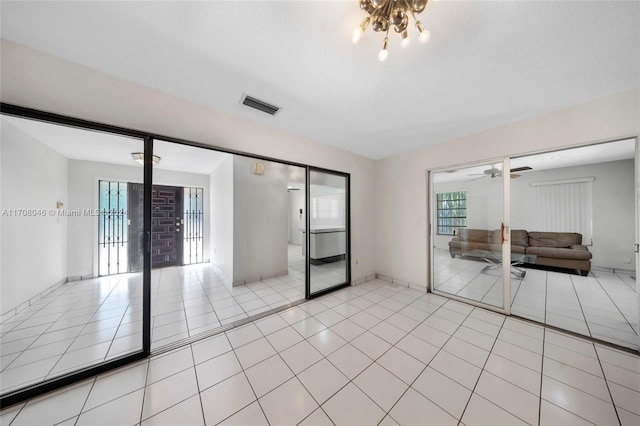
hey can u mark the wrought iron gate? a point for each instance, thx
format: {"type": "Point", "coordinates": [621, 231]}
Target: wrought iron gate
{"type": "Point", "coordinates": [193, 226]}
{"type": "Point", "coordinates": [113, 244]}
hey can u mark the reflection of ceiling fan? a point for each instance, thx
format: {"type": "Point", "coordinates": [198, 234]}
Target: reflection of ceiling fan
{"type": "Point", "coordinates": [496, 172]}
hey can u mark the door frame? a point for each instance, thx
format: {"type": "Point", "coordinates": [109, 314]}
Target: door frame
{"type": "Point", "coordinates": [307, 242]}
{"type": "Point", "coordinates": [507, 218]}
{"type": "Point", "coordinates": [147, 138]}
{"type": "Point", "coordinates": [637, 245]}
{"type": "Point", "coordinates": [506, 251]}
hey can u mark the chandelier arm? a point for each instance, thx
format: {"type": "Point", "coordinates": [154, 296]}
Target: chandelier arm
{"type": "Point", "coordinates": [410, 9]}
{"type": "Point", "coordinates": [387, 13]}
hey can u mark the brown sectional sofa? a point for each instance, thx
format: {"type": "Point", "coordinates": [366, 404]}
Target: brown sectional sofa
{"type": "Point", "coordinates": [555, 249]}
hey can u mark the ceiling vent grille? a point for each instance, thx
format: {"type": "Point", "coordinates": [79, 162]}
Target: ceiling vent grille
{"type": "Point", "coordinates": [260, 105]}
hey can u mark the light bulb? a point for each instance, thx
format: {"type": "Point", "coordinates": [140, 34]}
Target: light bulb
{"type": "Point", "coordinates": [384, 53]}
{"type": "Point", "coordinates": [405, 39]}
{"type": "Point", "coordinates": [357, 33]}
{"type": "Point", "coordinates": [425, 35]}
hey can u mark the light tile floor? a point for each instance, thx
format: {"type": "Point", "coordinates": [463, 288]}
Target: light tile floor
{"type": "Point", "coordinates": [86, 322]}
{"type": "Point", "coordinates": [365, 355]}
{"type": "Point", "coordinates": [602, 305]}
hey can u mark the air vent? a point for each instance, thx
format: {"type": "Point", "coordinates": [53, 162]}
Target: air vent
{"type": "Point", "coordinates": [260, 105]}
{"type": "Point", "coordinates": [521, 169]}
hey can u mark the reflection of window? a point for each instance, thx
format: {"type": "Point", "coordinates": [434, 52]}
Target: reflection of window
{"type": "Point", "coordinates": [325, 208]}
{"type": "Point", "coordinates": [564, 206]}
{"type": "Point", "coordinates": [113, 229]}
{"type": "Point", "coordinates": [452, 212]}
{"type": "Point", "coordinates": [193, 226]}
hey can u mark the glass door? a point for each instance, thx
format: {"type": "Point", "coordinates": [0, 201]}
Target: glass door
{"type": "Point", "coordinates": [469, 235]}
{"type": "Point", "coordinates": [70, 304]}
{"type": "Point", "coordinates": [637, 245]}
{"type": "Point", "coordinates": [328, 232]}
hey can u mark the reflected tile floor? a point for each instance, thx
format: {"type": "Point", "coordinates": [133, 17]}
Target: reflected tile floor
{"type": "Point", "coordinates": [86, 322]}
{"type": "Point", "coordinates": [371, 354]}
{"type": "Point", "coordinates": [602, 305]}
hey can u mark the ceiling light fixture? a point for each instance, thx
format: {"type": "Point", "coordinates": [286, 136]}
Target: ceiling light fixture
{"type": "Point", "coordinates": [139, 157]}
{"type": "Point", "coordinates": [387, 14]}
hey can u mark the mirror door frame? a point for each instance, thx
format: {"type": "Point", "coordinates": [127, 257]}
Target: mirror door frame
{"type": "Point", "coordinates": [506, 251]}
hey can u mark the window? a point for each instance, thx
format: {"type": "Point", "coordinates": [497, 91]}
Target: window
{"type": "Point", "coordinates": [325, 208]}
{"type": "Point", "coordinates": [452, 212]}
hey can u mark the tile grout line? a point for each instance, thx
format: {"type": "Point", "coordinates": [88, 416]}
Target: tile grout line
{"type": "Point", "coordinates": [581, 308]}
{"type": "Point", "coordinates": [45, 331]}
{"type": "Point", "coordinates": [544, 344]}
{"type": "Point", "coordinates": [473, 391]}
{"type": "Point", "coordinates": [614, 303]}
{"type": "Point", "coordinates": [546, 294]}
{"type": "Point", "coordinates": [195, 372]}
{"type": "Point", "coordinates": [83, 328]}
{"type": "Point", "coordinates": [428, 363]}
{"type": "Point", "coordinates": [606, 382]}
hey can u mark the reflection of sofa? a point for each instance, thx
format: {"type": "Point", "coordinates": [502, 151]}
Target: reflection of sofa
{"type": "Point", "coordinates": [556, 249]}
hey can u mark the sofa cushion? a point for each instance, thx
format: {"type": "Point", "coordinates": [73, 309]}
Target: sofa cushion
{"type": "Point", "coordinates": [514, 249]}
{"type": "Point", "coordinates": [474, 235]}
{"type": "Point", "coordinates": [559, 253]}
{"type": "Point", "coordinates": [468, 246]}
{"type": "Point", "coordinates": [519, 237]}
{"type": "Point", "coordinates": [554, 239]}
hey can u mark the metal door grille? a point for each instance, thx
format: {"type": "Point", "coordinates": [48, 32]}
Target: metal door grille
{"type": "Point", "coordinates": [113, 245]}
{"type": "Point", "coordinates": [193, 226]}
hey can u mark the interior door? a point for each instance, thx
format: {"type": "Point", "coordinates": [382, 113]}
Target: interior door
{"type": "Point", "coordinates": [328, 231]}
{"type": "Point", "coordinates": [469, 234]}
{"type": "Point", "coordinates": [166, 226]}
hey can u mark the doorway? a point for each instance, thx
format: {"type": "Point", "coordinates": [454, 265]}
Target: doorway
{"type": "Point", "coordinates": [470, 244]}
{"type": "Point", "coordinates": [553, 240]}
{"type": "Point", "coordinates": [166, 226]}
{"type": "Point", "coordinates": [177, 226]}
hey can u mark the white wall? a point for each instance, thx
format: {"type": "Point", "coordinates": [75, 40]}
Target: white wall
{"type": "Point", "coordinates": [36, 80]}
{"type": "Point", "coordinates": [83, 194]}
{"type": "Point", "coordinates": [296, 202]}
{"type": "Point", "coordinates": [613, 207]}
{"type": "Point", "coordinates": [34, 255]}
{"type": "Point", "coordinates": [260, 221]}
{"type": "Point", "coordinates": [401, 225]}
{"type": "Point", "coordinates": [221, 209]}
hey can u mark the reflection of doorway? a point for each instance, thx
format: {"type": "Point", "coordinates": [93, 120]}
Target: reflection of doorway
{"type": "Point", "coordinates": [177, 226]}
{"type": "Point", "coordinates": [570, 213]}
{"type": "Point", "coordinates": [166, 226]}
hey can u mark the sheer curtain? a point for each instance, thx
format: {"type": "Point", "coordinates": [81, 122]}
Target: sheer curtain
{"type": "Point", "coordinates": [564, 206]}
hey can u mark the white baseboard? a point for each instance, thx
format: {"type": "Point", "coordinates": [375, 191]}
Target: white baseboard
{"type": "Point", "coordinates": [24, 305]}
{"type": "Point", "coordinates": [405, 283]}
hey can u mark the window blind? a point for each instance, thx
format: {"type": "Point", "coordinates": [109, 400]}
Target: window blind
{"type": "Point", "coordinates": [564, 206]}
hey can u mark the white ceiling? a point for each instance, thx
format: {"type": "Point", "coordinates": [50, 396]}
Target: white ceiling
{"type": "Point", "coordinates": [87, 145]}
{"type": "Point", "coordinates": [592, 154]}
{"type": "Point", "coordinates": [488, 62]}
{"type": "Point", "coordinates": [79, 144]}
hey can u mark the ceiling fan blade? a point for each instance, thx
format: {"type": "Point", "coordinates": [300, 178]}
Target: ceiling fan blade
{"type": "Point", "coordinates": [515, 176]}
{"type": "Point", "coordinates": [521, 169]}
